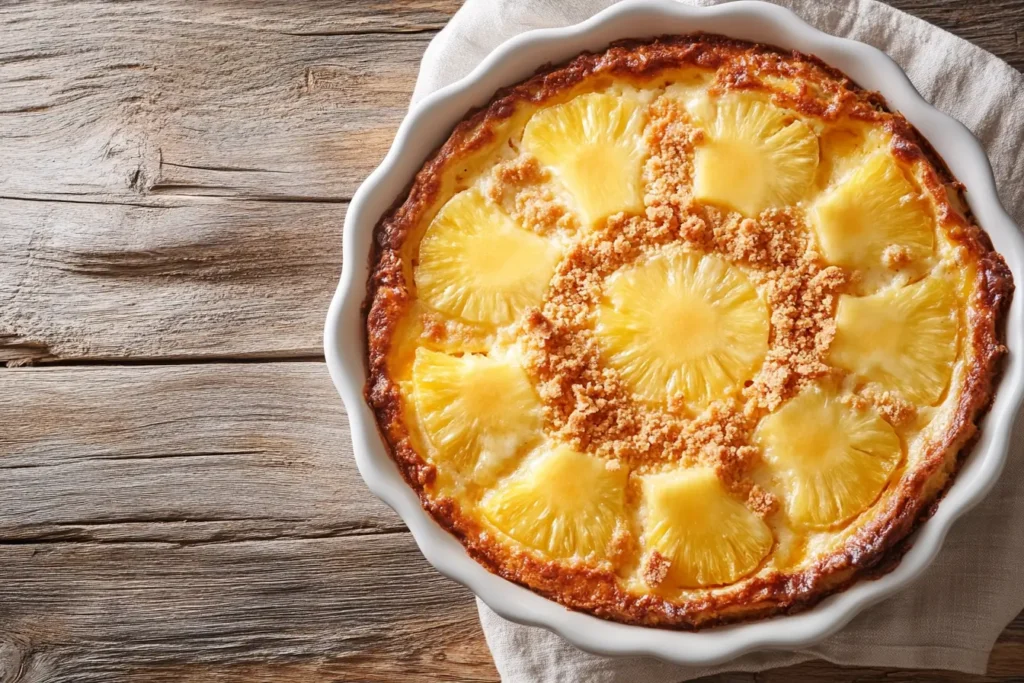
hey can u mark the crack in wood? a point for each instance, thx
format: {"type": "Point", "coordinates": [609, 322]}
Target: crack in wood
{"type": "Point", "coordinates": [140, 456]}
{"type": "Point", "coordinates": [77, 533]}
{"type": "Point", "coordinates": [17, 59]}
{"type": "Point", "coordinates": [62, 200]}
{"type": "Point", "coordinates": [162, 192]}
{"type": "Point", "coordinates": [17, 352]}
{"type": "Point", "coordinates": [428, 31]}
{"type": "Point", "coordinates": [222, 168]}
{"type": "Point", "coordinates": [188, 191]}
{"type": "Point", "coordinates": [30, 77]}
{"type": "Point", "coordinates": [191, 359]}
{"type": "Point", "coordinates": [28, 109]}
{"type": "Point", "coordinates": [191, 454]}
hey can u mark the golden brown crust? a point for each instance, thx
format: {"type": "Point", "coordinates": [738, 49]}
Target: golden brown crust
{"type": "Point", "coordinates": [876, 545]}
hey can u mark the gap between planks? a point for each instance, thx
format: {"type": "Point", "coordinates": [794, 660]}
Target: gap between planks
{"type": "Point", "coordinates": [176, 360]}
{"type": "Point", "coordinates": [68, 537]}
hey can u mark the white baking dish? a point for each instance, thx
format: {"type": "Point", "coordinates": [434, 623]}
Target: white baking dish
{"type": "Point", "coordinates": [428, 125]}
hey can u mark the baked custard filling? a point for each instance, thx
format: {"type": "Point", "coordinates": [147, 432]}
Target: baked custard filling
{"type": "Point", "coordinates": [684, 332]}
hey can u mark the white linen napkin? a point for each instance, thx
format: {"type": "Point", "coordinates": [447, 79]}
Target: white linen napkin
{"type": "Point", "coordinates": [950, 618]}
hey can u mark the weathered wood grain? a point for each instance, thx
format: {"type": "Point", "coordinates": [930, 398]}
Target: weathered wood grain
{"type": "Point", "coordinates": [364, 608]}
{"type": "Point", "coordinates": [309, 17]}
{"type": "Point", "coordinates": [178, 453]}
{"type": "Point", "coordinates": [205, 278]}
{"type": "Point", "coordinates": [156, 104]}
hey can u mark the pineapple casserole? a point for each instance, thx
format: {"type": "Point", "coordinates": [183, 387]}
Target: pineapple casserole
{"type": "Point", "coordinates": [685, 332]}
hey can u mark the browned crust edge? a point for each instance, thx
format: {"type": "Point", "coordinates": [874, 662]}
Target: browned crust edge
{"type": "Point", "coordinates": [876, 547]}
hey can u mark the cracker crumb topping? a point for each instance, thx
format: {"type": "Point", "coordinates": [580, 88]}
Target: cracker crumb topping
{"type": "Point", "coordinates": [892, 406]}
{"type": "Point", "coordinates": [656, 568]}
{"type": "Point", "coordinates": [895, 256]}
{"type": "Point", "coordinates": [521, 187]}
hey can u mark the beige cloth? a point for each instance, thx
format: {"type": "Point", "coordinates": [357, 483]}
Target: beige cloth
{"type": "Point", "coordinates": [951, 617]}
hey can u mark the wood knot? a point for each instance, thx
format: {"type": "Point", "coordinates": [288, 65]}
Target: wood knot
{"type": "Point", "coordinates": [15, 656]}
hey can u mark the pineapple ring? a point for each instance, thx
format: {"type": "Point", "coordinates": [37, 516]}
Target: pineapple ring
{"type": "Point", "coordinates": [755, 155]}
{"type": "Point", "coordinates": [476, 411]}
{"type": "Point", "coordinates": [595, 144]}
{"type": "Point", "coordinates": [475, 263]}
{"type": "Point", "coordinates": [903, 338]}
{"type": "Point", "coordinates": [707, 537]}
{"type": "Point", "coordinates": [683, 323]}
{"type": "Point", "coordinates": [564, 504]}
{"type": "Point", "coordinates": [830, 460]}
{"type": "Point", "coordinates": [874, 209]}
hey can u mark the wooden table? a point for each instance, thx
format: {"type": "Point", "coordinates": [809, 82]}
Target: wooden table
{"type": "Point", "coordinates": [178, 500]}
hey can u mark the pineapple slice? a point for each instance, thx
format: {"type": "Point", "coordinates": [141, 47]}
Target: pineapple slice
{"type": "Point", "coordinates": [683, 323]}
{"type": "Point", "coordinates": [476, 411]}
{"type": "Point", "coordinates": [904, 338]}
{"type": "Point", "coordinates": [708, 537]}
{"type": "Point", "coordinates": [874, 208]}
{"type": "Point", "coordinates": [831, 460]}
{"type": "Point", "coordinates": [755, 155]}
{"type": "Point", "coordinates": [564, 504]}
{"type": "Point", "coordinates": [595, 144]}
{"type": "Point", "coordinates": [475, 263]}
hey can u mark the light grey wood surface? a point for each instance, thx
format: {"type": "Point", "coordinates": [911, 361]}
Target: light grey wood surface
{"type": "Point", "coordinates": [178, 500]}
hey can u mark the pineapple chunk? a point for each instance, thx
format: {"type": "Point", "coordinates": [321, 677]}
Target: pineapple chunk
{"type": "Point", "coordinates": [683, 323]}
{"type": "Point", "coordinates": [477, 264]}
{"type": "Point", "coordinates": [874, 208]}
{"type": "Point", "coordinates": [595, 144]}
{"type": "Point", "coordinates": [904, 338]}
{"type": "Point", "coordinates": [708, 537]}
{"type": "Point", "coordinates": [755, 155]}
{"type": "Point", "coordinates": [564, 504]}
{"type": "Point", "coordinates": [476, 411]}
{"type": "Point", "coordinates": [830, 460]}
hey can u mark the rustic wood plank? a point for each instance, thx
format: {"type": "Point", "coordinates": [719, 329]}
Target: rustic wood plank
{"type": "Point", "coordinates": [364, 608]}
{"type": "Point", "coordinates": [309, 17]}
{"type": "Point", "coordinates": [160, 103]}
{"type": "Point", "coordinates": [210, 278]}
{"type": "Point", "coordinates": [178, 453]}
